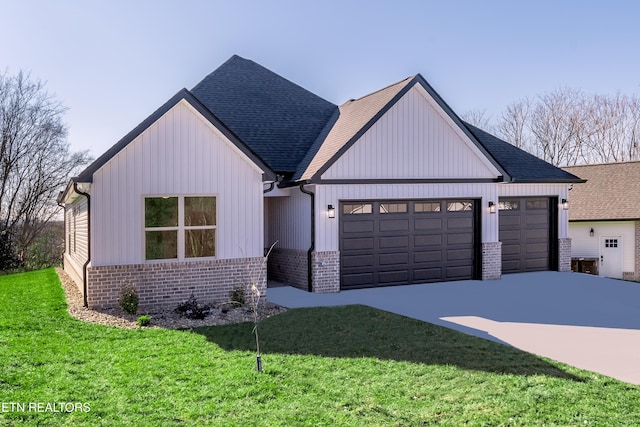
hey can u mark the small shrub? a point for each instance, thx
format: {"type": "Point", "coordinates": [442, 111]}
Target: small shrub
{"type": "Point", "coordinates": [237, 296]}
{"type": "Point", "coordinates": [144, 320]}
{"type": "Point", "coordinates": [191, 309]}
{"type": "Point", "coordinates": [128, 299]}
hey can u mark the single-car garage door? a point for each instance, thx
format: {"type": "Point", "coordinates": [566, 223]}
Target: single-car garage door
{"type": "Point", "coordinates": [395, 242]}
{"type": "Point", "coordinates": [526, 234]}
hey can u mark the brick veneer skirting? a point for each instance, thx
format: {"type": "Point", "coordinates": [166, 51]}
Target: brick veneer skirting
{"type": "Point", "coordinates": [288, 266]}
{"type": "Point", "coordinates": [491, 260]}
{"type": "Point", "coordinates": [564, 254]}
{"type": "Point", "coordinates": [326, 271]}
{"type": "Point", "coordinates": [166, 284]}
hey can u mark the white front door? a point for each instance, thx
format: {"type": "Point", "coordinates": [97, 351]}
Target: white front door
{"type": "Point", "coordinates": [611, 256]}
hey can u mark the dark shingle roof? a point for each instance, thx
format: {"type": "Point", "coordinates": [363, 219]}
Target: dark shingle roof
{"type": "Point", "coordinates": [522, 166]}
{"type": "Point", "coordinates": [612, 192]}
{"type": "Point", "coordinates": [276, 118]}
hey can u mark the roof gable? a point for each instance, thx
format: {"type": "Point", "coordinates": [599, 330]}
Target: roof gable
{"type": "Point", "coordinates": [276, 118]}
{"type": "Point", "coordinates": [87, 174]}
{"type": "Point", "coordinates": [357, 116]}
{"type": "Point", "coordinates": [611, 192]}
{"type": "Point", "coordinates": [414, 140]}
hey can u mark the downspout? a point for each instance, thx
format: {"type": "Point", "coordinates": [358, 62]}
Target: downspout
{"type": "Point", "coordinates": [84, 267]}
{"type": "Point", "coordinates": [64, 227]}
{"type": "Point", "coordinates": [313, 237]}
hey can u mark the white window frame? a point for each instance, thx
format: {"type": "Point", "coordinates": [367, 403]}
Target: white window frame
{"type": "Point", "coordinates": [181, 229]}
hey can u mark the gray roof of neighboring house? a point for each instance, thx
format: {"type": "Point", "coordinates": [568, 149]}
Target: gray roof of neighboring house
{"type": "Point", "coordinates": [276, 118]}
{"type": "Point", "coordinates": [612, 192]}
{"type": "Point", "coordinates": [522, 166]}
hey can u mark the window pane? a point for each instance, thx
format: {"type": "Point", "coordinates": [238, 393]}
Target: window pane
{"type": "Point", "coordinates": [460, 206]}
{"type": "Point", "coordinates": [161, 244]}
{"type": "Point", "coordinates": [426, 207]}
{"type": "Point", "coordinates": [355, 209]}
{"type": "Point", "coordinates": [508, 205]}
{"type": "Point", "coordinates": [200, 243]}
{"type": "Point", "coordinates": [393, 208]}
{"type": "Point", "coordinates": [199, 211]}
{"type": "Point", "coordinates": [537, 204]}
{"type": "Point", "coordinates": [161, 212]}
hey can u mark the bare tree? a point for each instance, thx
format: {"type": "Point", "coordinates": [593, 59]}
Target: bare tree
{"type": "Point", "coordinates": [35, 161]}
{"type": "Point", "coordinates": [514, 126]}
{"type": "Point", "coordinates": [478, 118]}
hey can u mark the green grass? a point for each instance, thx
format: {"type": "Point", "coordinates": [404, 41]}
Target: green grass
{"type": "Point", "coordinates": [346, 366]}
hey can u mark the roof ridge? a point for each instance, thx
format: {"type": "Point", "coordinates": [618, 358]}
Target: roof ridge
{"type": "Point", "coordinates": [380, 90]}
{"type": "Point", "coordinates": [602, 164]}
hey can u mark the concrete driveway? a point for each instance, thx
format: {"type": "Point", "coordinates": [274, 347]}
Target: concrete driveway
{"type": "Point", "coordinates": [586, 321]}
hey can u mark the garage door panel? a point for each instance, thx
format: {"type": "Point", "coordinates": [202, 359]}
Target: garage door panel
{"type": "Point", "coordinates": [396, 276]}
{"type": "Point", "coordinates": [361, 243]}
{"type": "Point", "coordinates": [535, 264]}
{"type": "Point", "coordinates": [538, 234]}
{"type": "Point", "coordinates": [427, 240]}
{"type": "Point", "coordinates": [365, 226]}
{"type": "Point", "coordinates": [510, 235]}
{"type": "Point", "coordinates": [512, 265]}
{"type": "Point", "coordinates": [357, 261]}
{"type": "Point", "coordinates": [459, 254]}
{"type": "Point", "coordinates": [460, 239]}
{"type": "Point", "coordinates": [427, 274]}
{"type": "Point", "coordinates": [537, 248]}
{"type": "Point", "coordinates": [393, 242]}
{"type": "Point", "coordinates": [394, 258]}
{"type": "Point", "coordinates": [508, 220]}
{"type": "Point", "coordinates": [422, 243]}
{"type": "Point", "coordinates": [460, 223]}
{"type": "Point", "coordinates": [542, 220]}
{"type": "Point", "coordinates": [427, 256]}
{"type": "Point", "coordinates": [427, 224]}
{"type": "Point", "coordinates": [394, 225]}
{"type": "Point", "coordinates": [356, 280]}
{"type": "Point", "coordinates": [510, 249]}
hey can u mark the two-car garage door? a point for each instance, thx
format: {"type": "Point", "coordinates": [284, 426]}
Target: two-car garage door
{"type": "Point", "coordinates": [407, 241]}
{"type": "Point", "coordinates": [419, 241]}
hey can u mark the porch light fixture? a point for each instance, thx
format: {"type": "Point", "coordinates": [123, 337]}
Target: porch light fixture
{"type": "Point", "coordinates": [331, 211]}
{"type": "Point", "coordinates": [565, 204]}
{"type": "Point", "coordinates": [492, 207]}
{"type": "Point", "coordinates": [591, 232]}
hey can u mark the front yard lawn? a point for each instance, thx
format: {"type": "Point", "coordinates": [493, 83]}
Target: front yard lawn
{"type": "Point", "coordinates": [345, 366]}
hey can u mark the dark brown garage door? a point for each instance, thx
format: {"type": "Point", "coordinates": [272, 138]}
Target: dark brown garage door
{"type": "Point", "coordinates": [526, 234]}
{"type": "Point", "coordinates": [386, 243]}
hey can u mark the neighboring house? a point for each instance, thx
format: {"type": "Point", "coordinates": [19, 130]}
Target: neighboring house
{"type": "Point", "coordinates": [391, 188]}
{"type": "Point", "coordinates": [604, 219]}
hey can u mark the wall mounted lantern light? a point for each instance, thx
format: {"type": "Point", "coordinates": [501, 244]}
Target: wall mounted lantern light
{"type": "Point", "coordinates": [591, 232]}
{"type": "Point", "coordinates": [492, 207]}
{"type": "Point", "coordinates": [331, 211]}
{"type": "Point", "coordinates": [565, 204]}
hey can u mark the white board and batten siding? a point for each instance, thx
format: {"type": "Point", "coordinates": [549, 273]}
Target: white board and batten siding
{"type": "Point", "coordinates": [181, 154]}
{"type": "Point", "coordinates": [76, 236]}
{"type": "Point", "coordinates": [561, 191]}
{"type": "Point", "coordinates": [289, 220]}
{"type": "Point", "coordinates": [583, 245]}
{"type": "Point", "coordinates": [427, 144]}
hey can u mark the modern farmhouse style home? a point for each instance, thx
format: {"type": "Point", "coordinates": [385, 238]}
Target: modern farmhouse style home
{"type": "Point", "coordinates": [391, 188]}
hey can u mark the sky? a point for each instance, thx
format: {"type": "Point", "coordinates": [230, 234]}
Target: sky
{"type": "Point", "coordinates": [112, 63]}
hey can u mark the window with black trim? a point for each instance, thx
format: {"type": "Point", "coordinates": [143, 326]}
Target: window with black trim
{"type": "Point", "coordinates": [459, 206]}
{"type": "Point", "coordinates": [610, 243]}
{"type": "Point", "coordinates": [393, 208]}
{"type": "Point", "coordinates": [422, 207]}
{"type": "Point", "coordinates": [179, 227]}
{"type": "Point", "coordinates": [357, 208]}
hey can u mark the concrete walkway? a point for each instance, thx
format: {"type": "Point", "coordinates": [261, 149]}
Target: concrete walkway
{"type": "Point", "coordinates": [589, 322]}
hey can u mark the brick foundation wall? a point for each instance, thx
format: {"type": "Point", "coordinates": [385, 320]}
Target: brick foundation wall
{"type": "Point", "coordinates": [167, 284]}
{"type": "Point", "coordinates": [491, 260]}
{"type": "Point", "coordinates": [326, 271]}
{"type": "Point", "coordinates": [564, 254]}
{"type": "Point", "coordinates": [288, 266]}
